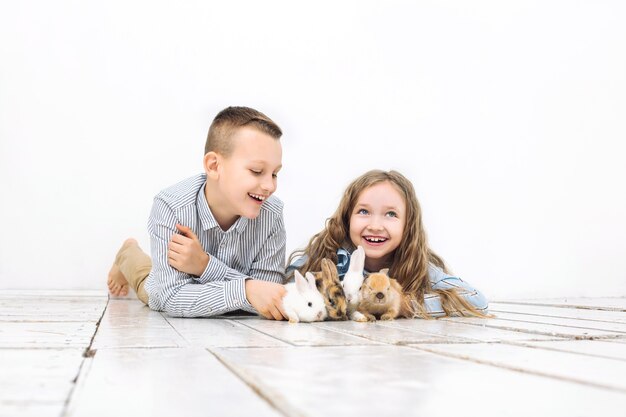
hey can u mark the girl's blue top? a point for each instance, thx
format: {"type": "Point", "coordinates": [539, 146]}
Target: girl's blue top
{"type": "Point", "coordinates": [438, 280]}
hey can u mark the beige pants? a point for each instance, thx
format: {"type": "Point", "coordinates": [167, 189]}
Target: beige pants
{"type": "Point", "coordinates": [135, 264]}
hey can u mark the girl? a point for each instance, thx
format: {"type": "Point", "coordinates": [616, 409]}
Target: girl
{"type": "Point", "coordinates": [380, 212]}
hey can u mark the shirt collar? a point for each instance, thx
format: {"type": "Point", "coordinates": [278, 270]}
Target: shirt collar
{"type": "Point", "coordinates": [343, 263]}
{"type": "Point", "coordinates": [208, 220]}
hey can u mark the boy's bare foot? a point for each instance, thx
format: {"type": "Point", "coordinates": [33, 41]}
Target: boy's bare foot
{"type": "Point", "coordinates": [118, 286]}
{"type": "Point", "coordinates": [117, 283]}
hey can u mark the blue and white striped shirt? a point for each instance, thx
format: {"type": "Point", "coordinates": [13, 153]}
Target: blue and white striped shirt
{"type": "Point", "coordinates": [250, 248]}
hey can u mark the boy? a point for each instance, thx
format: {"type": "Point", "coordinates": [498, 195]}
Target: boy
{"type": "Point", "coordinates": [230, 213]}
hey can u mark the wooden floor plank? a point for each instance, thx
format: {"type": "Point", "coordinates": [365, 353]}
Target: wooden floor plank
{"type": "Point", "coordinates": [36, 309]}
{"type": "Point", "coordinates": [378, 332]}
{"type": "Point", "coordinates": [392, 380]}
{"type": "Point", "coordinates": [46, 334]}
{"type": "Point", "coordinates": [458, 331]}
{"type": "Point", "coordinates": [599, 348]}
{"type": "Point", "coordinates": [604, 326]}
{"type": "Point", "coordinates": [213, 332]}
{"type": "Point", "coordinates": [163, 382]}
{"type": "Point", "coordinates": [606, 303]}
{"type": "Point", "coordinates": [54, 293]}
{"type": "Point", "coordinates": [600, 372]}
{"type": "Point", "coordinates": [551, 311]}
{"type": "Point", "coordinates": [130, 324]}
{"type": "Point", "coordinates": [38, 376]}
{"type": "Point", "coordinates": [303, 334]}
{"type": "Point", "coordinates": [31, 409]}
{"type": "Point", "coordinates": [550, 330]}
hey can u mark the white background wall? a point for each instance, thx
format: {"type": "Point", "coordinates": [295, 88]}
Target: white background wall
{"type": "Point", "coordinates": [508, 116]}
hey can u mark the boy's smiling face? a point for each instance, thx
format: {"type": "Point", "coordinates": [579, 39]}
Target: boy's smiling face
{"type": "Point", "coordinates": [244, 179]}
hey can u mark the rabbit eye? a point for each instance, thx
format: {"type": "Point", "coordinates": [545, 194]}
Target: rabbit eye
{"type": "Point", "coordinates": [310, 304]}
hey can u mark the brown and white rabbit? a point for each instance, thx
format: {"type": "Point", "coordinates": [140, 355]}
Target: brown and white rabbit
{"type": "Point", "coordinates": [381, 297]}
{"type": "Point", "coordinates": [303, 302]}
{"type": "Point", "coordinates": [329, 286]}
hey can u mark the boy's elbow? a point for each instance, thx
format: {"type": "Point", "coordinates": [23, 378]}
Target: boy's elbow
{"type": "Point", "coordinates": [173, 312]}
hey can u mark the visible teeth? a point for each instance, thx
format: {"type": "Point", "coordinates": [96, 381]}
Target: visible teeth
{"type": "Point", "coordinates": [257, 196]}
{"type": "Point", "coordinates": [375, 239]}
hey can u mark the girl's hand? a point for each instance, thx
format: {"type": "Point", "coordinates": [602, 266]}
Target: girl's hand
{"type": "Point", "coordinates": [185, 253]}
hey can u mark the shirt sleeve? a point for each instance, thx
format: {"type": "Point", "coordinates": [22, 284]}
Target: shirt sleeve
{"type": "Point", "coordinates": [296, 264]}
{"type": "Point", "coordinates": [269, 264]}
{"type": "Point", "coordinates": [440, 280]}
{"type": "Point", "coordinates": [343, 263]}
{"type": "Point", "coordinates": [179, 294]}
{"type": "Point", "coordinates": [217, 270]}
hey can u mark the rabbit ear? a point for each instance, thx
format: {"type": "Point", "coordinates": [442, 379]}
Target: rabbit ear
{"type": "Point", "coordinates": [357, 260]}
{"type": "Point", "coordinates": [395, 284]}
{"type": "Point", "coordinates": [329, 270]}
{"type": "Point", "coordinates": [301, 282]}
{"type": "Point", "coordinates": [310, 278]}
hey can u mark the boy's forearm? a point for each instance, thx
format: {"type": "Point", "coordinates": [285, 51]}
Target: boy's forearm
{"type": "Point", "coordinates": [216, 270]}
{"type": "Point", "coordinates": [211, 299]}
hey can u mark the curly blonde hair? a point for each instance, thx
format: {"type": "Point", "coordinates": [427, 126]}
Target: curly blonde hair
{"type": "Point", "coordinates": [411, 258]}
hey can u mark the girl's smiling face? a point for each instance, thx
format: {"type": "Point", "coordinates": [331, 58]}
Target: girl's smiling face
{"type": "Point", "coordinates": [377, 223]}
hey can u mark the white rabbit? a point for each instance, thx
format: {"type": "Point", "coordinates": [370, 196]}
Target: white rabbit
{"type": "Point", "coordinates": [303, 302]}
{"type": "Point", "coordinates": [352, 282]}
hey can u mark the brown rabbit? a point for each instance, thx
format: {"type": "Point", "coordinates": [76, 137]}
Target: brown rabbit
{"type": "Point", "coordinates": [381, 297]}
{"type": "Point", "coordinates": [327, 282]}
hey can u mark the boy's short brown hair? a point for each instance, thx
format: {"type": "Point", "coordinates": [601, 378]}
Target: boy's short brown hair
{"type": "Point", "coordinates": [229, 120]}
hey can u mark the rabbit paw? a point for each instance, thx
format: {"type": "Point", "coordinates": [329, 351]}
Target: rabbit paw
{"type": "Point", "coordinates": [357, 316]}
{"type": "Point", "coordinates": [387, 316]}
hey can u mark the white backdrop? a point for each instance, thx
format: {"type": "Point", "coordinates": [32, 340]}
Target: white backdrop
{"type": "Point", "coordinates": [509, 117]}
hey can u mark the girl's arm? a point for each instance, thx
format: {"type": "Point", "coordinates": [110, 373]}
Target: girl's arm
{"type": "Point", "coordinates": [439, 280]}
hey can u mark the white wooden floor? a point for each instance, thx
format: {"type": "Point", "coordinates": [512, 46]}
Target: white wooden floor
{"type": "Point", "coordinates": [80, 354]}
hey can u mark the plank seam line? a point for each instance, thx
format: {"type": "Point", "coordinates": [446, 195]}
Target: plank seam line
{"type": "Point", "coordinates": [87, 355]}
{"type": "Point", "coordinates": [545, 333]}
{"type": "Point", "coordinates": [554, 349]}
{"type": "Point", "coordinates": [521, 370]}
{"type": "Point", "coordinates": [344, 332]}
{"type": "Point", "coordinates": [557, 317]}
{"type": "Point", "coordinates": [175, 329]}
{"type": "Point", "coordinates": [563, 306]}
{"type": "Point", "coordinates": [563, 325]}
{"type": "Point", "coordinates": [446, 339]}
{"type": "Point", "coordinates": [267, 334]}
{"type": "Point", "coordinates": [272, 397]}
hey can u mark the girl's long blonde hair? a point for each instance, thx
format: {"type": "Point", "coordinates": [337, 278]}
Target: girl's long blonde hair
{"type": "Point", "coordinates": [411, 258]}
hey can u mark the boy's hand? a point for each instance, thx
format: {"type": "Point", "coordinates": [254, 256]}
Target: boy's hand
{"type": "Point", "coordinates": [185, 253]}
{"type": "Point", "coordinates": [267, 298]}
